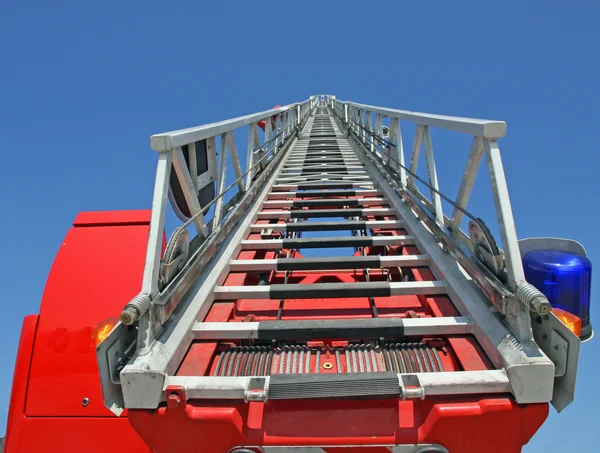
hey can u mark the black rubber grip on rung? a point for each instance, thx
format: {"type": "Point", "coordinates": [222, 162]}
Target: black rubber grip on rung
{"type": "Point", "coordinates": [321, 160]}
{"type": "Point", "coordinates": [326, 226]}
{"type": "Point", "coordinates": [326, 193]}
{"type": "Point", "coordinates": [331, 262]}
{"type": "Point", "coordinates": [331, 329]}
{"type": "Point", "coordinates": [326, 213]}
{"type": "Point", "coordinates": [324, 169]}
{"type": "Point", "coordinates": [330, 185]}
{"type": "Point", "coordinates": [331, 202]}
{"type": "Point", "coordinates": [338, 385]}
{"type": "Point", "coordinates": [330, 290]}
{"type": "Point", "coordinates": [316, 243]}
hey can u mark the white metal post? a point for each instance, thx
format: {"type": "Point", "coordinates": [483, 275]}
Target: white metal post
{"type": "Point", "coordinates": [506, 222]}
{"type": "Point", "coordinates": [397, 133]}
{"type": "Point", "coordinates": [432, 173]}
{"type": "Point", "coordinates": [466, 184]}
{"type": "Point", "coordinates": [211, 152]}
{"type": "Point", "coordinates": [221, 184]}
{"type": "Point", "coordinates": [250, 154]}
{"type": "Point", "coordinates": [193, 165]}
{"type": "Point", "coordinates": [268, 136]}
{"type": "Point", "coordinates": [190, 195]}
{"type": "Point", "coordinates": [414, 159]}
{"type": "Point", "coordinates": [157, 224]}
{"type": "Point", "coordinates": [236, 161]}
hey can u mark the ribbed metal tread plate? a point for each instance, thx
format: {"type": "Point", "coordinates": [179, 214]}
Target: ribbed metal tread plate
{"type": "Point", "coordinates": [309, 386]}
{"type": "Point", "coordinates": [352, 359]}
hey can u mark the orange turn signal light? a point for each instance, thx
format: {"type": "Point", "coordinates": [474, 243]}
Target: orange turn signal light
{"type": "Point", "coordinates": [569, 319]}
{"type": "Point", "coordinates": [101, 331]}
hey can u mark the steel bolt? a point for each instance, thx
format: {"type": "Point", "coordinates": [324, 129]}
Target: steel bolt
{"type": "Point", "coordinates": [173, 401]}
{"type": "Point", "coordinates": [129, 315]}
{"type": "Point", "coordinates": [85, 402]}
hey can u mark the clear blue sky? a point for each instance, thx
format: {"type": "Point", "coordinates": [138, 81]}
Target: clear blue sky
{"type": "Point", "coordinates": [84, 84]}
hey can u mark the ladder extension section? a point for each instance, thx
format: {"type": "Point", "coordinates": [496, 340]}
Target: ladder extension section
{"type": "Point", "coordinates": [304, 322]}
{"type": "Point", "coordinates": [325, 276]}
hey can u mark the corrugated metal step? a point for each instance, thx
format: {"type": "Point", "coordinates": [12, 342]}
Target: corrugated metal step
{"type": "Point", "coordinates": [396, 357]}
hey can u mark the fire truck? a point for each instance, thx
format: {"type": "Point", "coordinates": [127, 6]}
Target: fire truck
{"type": "Point", "coordinates": [319, 295]}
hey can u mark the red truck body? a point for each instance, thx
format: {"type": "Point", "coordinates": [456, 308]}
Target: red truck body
{"type": "Point", "coordinates": [57, 404]}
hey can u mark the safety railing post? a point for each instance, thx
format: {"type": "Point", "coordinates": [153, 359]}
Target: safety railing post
{"type": "Point", "coordinates": [189, 192]}
{"type": "Point", "coordinates": [466, 183]}
{"type": "Point", "coordinates": [416, 151]}
{"type": "Point", "coordinates": [432, 174]}
{"type": "Point", "coordinates": [506, 222]}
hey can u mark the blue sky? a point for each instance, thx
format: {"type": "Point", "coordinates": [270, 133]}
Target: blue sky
{"type": "Point", "coordinates": [84, 84]}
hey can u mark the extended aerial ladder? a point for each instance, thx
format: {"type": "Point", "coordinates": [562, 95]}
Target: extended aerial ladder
{"type": "Point", "coordinates": [258, 335]}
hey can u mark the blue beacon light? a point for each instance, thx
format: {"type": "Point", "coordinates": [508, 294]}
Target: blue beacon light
{"type": "Point", "coordinates": [565, 279]}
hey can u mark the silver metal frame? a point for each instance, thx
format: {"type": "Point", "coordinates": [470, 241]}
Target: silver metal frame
{"type": "Point", "coordinates": [143, 378]}
{"type": "Point", "coordinates": [485, 134]}
{"type": "Point", "coordinates": [168, 320]}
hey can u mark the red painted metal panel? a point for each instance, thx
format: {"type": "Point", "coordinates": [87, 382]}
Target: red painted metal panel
{"type": "Point", "coordinates": [64, 434]}
{"type": "Point", "coordinates": [74, 435]}
{"type": "Point", "coordinates": [97, 270]}
{"type": "Point", "coordinates": [468, 426]}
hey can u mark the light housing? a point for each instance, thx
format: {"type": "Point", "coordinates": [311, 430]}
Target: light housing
{"type": "Point", "coordinates": [565, 279]}
{"type": "Point", "coordinates": [572, 322]}
{"type": "Point", "coordinates": [101, 331]}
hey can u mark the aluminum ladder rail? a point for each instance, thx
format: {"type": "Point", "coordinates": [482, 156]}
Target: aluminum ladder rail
{"type": "Point", "coordinates": [322, 165]}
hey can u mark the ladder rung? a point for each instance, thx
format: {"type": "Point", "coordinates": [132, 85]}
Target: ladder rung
{"type": "Point", "coordinates": [348, 225]}
{"type": "Point", "coordinates": [328, 178]}
{"type": "Point", "coordinates": [320, 160]}
{"type": "Point", "coordinates": [329, 263]}
{"type": "Point", "coordinates": [315, 213]}
{"type": "Point", "coordinates": [320, 154]}
{"type": "Point", "coordinates": [327, 242]}
{"type": "Point", "coordinates": [333, 202]}
{"type": "Point", "coordinates": [321, 168]}
{"type": "Point", "coordinates": [319, 175]}
{"type": "Point", "coordinates": [324, 193]}
{"type": "Point", "coordinates": [322, 185]}
{"type": "Point", "coordinates": [332, 329]}
{"type": "Point", "coordinates": [330, 290]}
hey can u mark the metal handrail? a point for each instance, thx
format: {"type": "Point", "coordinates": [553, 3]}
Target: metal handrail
{"type": "Point", "coordinates": [280, 124]}
{"type": "Point", "coordinates": [358, 118]}
{"type": "Point", "coordinates": [166, 141]}
{"type": "Point", "coordinates": [473, 126]}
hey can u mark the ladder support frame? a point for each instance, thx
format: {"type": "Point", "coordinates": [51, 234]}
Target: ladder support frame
{"type": "Point", "coordinates": [522, 368]}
